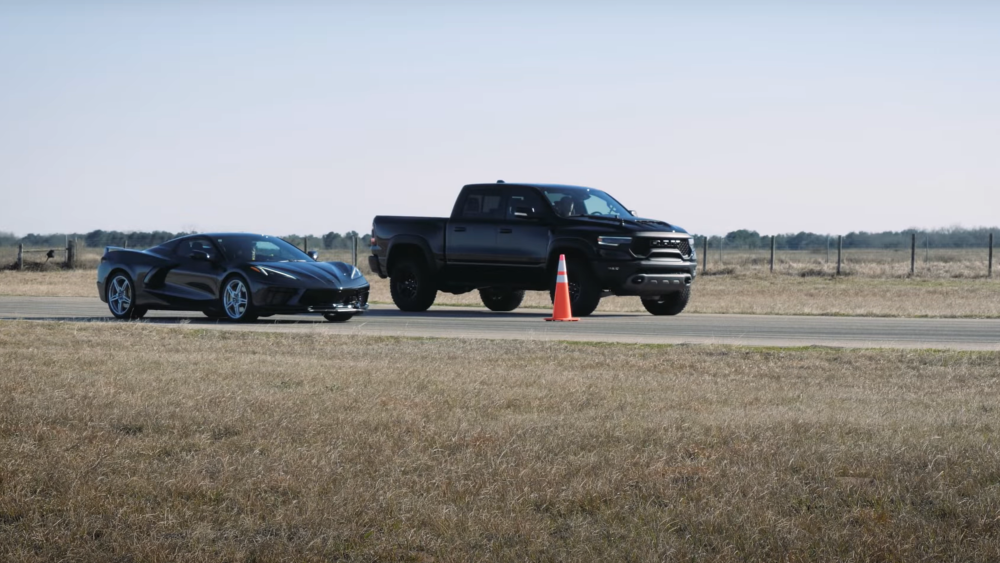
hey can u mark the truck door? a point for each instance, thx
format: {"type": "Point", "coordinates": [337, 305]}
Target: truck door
{"type": "Point", "coordinates": [523, 238]}
{"type": "Point", "coordinates": [471, 239]}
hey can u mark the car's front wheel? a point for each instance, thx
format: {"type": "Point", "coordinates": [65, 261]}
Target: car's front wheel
{"type": "Point", "coordinates": [669, 304]}
{"type": "Point", "coordinates": [338, 317]}
{"type": "Point", "coordinates": [412, 286]}
{"type": "Point", "coordinates": [501, 299]}
{"type": "Point", "coordinates": [120, 292]}
{"type": "Point", "coordinates": [236, 301]}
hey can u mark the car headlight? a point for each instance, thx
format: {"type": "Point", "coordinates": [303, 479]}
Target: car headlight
{"type": "Point", "coordinates": [614, 241]}
{"type": "Point", "coordinates": [268, 271]}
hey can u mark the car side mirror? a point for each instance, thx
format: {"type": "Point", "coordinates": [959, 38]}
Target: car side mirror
{"type": "Point", "coordinates": [314, 255]}
{"type": "Point", "coordinates": [201, 256]}
{"type": "Point", "coordinates": [526, 213]}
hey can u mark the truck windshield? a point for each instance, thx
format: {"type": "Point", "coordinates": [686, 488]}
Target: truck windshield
{"type": "Point", "coordinates": [579, 202]}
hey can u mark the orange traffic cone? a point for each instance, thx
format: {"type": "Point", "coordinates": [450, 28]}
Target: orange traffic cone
{"type": "Point", "coordinates": [560, 307]}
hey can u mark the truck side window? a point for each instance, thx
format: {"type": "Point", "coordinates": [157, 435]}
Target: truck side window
{"type": "Point", "coordinates": [482, 204]}
{"type": "Point", "coordinates": [524, 199]}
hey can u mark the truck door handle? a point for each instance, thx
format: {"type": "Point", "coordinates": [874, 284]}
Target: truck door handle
{"type": "Point", "coordinates": [459, 229]}
{"type": "Point", "coordinates": [506, 231]}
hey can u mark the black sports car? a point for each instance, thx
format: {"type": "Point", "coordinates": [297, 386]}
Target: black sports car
{"type": "Point", "coordinates": [234, 276]}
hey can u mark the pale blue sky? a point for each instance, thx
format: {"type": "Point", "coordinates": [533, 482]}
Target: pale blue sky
{"type": "Point", "coordinates": [315, 116]}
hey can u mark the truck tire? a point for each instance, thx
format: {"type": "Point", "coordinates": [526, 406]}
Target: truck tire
{"type": "Point", "coordinates": [669, 304]}
{"type": "Point", "coordinates": [584, 290]}
{"type": "Point", "coordinates": [502, 300]}
{"type": "Point", "coordinates": [412, 286]}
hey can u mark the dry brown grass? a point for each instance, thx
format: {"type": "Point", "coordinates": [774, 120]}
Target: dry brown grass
{"type": "Point", "coordinates": [122, 442]}
{"type": "Point", "coordinates": [54, 283]}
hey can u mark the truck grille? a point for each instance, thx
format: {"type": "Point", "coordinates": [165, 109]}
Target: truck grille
{"type": "Point", "coordinates": [647, 246]}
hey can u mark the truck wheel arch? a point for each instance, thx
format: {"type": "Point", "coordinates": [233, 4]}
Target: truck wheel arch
{"type": "Point", "coordinates": [409, 249]}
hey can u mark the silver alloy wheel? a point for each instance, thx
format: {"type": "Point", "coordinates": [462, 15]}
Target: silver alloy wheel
{"type": "Point", "coordinates": [120, 295]}
{"type": "Point", "coordinates": [234, 299]}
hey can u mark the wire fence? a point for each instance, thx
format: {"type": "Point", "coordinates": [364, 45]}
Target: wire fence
{"type": "Point", "coordinates": [920, 258]}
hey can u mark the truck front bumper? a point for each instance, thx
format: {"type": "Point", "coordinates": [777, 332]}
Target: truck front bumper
{"type": "Point", "coordinates": [376, 266]}
{"type": "Point", "coordinates": [645, 278]}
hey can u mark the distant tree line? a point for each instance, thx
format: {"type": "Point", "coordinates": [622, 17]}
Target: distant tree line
{"type": "Point", "coordinates": [143, 239]}
{"type": "Point", "coordinates": [938, 238]}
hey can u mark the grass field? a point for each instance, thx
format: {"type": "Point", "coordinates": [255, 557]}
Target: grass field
{"type": "Point", "coordinates": [127, 442]}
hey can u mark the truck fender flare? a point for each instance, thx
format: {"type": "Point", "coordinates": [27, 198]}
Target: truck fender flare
{"type": "Point", "coordinates": [571, 245]}
{"type": "Point", "coordinates": [410, 240]}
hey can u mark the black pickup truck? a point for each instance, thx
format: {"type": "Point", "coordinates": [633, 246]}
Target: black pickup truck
{"type": "Point", "coordinates": [503, 239]}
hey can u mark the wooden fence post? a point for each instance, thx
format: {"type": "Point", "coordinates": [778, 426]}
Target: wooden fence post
{"type": "Point", "coordinates": [913, 253]}
{"type": "Point", "coordinates": [989, 267]}
{"type": "Point", "coordinates": [20, 256]}
{"type": "Point", "coordinates": [354, 252]}
{"type": "Point", "coordinates": [704, 254]}
{"type": "Point", "coordinates": [305, 243]}
{"type": "Point", "coordinates": [71, 254]}
{"type": "Point", "coordinates": [772, 254]}
{"type": "Point", "coordinates": [840, 249]}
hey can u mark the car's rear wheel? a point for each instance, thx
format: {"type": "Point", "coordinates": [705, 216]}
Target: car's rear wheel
{"type": "Point", "coordinates": [120, 292]}
{"type": "Point", "coordinates": [412, 286]}
{"type": "Point", "coordinates": [584, 289]}
{"type": "Point", "coordinates": [236, 300]}
{"type": "Point", "coordinates": [669, 304]}
{"type": "Point", "coordinates": [338, 317]}
{"type": "Point", "coordinates": [501, 299]}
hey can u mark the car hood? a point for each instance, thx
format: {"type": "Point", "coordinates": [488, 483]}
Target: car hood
{"type": "Point", "coordinates": [331, 273]}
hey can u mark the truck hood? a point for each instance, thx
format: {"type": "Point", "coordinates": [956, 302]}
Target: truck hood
{"type": "Point", "coordinates": [636, 225]}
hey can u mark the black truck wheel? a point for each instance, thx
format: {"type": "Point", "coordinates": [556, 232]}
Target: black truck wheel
{"type": "Point", "coordinates": [412, 286]}
{"type": "Point", "coordinates": [584, 289]}
{"type": "Point", "coordinates": [669, 304]}
{"type": "Point", "coordinates": [501, 299]}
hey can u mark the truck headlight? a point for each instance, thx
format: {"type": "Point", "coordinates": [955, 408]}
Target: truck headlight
{"type": "Point", "coordinates": [614, 241]}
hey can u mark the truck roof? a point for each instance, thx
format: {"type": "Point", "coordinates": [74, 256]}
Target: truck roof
{"type": "Point", "coordinates": [528, 184]}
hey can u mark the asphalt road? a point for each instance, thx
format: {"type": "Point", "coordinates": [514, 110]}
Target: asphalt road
{"type": "Point", "coordinates": [528, 324]}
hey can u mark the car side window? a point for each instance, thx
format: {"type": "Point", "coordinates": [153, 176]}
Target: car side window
{"type": "Point", "coordinates": [187, 246]}
{"type": "Point", "coordinates": [482, 204]}
{"type": "Point", "coordinates": [524, 200]}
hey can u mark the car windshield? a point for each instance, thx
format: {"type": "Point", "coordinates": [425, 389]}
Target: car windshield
{"type": "Point", "coordinates": [260, 248]}
{"type": "Point", "coordinates": [579, 202]}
